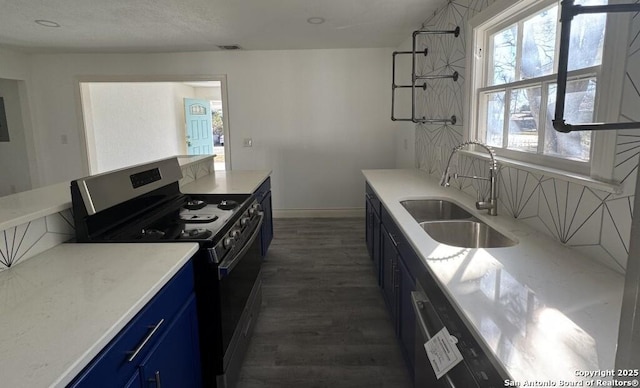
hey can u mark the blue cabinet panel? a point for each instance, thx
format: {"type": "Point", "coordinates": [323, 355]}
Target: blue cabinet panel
{"type": "Point", "coordinates": [118, 363]}
{"type": "Point", "coordinates": [175, 360]}
{"type": "Point", "coordinates": [373, 232]}
{"type": "Point", "coordinates": [406, 315]}
{"type": "Point", "coordinates": [398, 265]}
{"type": "Point", "coordinates": [390, 274]}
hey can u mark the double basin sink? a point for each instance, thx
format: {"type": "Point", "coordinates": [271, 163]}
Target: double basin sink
{"type": "Point", "coordinates": [450, 224]}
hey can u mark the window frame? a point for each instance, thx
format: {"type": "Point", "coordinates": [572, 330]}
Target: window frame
{"type": "Point", "coordinates": [610, 78]}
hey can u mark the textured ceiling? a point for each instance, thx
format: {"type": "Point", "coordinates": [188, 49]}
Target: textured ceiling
{"type": "Point", "coordinates": [202, 25]}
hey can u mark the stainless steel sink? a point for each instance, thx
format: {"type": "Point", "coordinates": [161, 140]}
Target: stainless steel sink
{"type": "Point", "coordinates": [466, 234]}
{"type": "Point", "coordinates": [434, 209]}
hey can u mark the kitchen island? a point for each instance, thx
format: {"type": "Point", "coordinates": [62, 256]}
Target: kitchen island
{"type": "Point", "coordinates": [62, 307]}
{"type": "Point", "coordinates": [541, 310]}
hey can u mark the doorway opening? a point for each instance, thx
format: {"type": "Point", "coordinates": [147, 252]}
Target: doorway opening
{"type": "Point", "coordinates": [128, 121]}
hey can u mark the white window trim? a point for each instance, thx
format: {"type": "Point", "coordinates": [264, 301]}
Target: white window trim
{"type": "Point", "coordinates": [611, 77]}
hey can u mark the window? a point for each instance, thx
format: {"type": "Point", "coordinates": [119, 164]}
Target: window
{"type": "Point", "coordinates": [513, 85]}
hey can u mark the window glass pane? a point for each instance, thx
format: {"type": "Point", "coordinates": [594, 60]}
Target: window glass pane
{"type": "Point", "coordinates": [524, 109]}
{"type": "Point", "coordinates": [587, 38]}
{"type": "Point", "coordinates": [539, 44]}
{"type": "Point", "coordinates": [503, 61]}
{"type": "Point", "coordinates": [579, 108]}
{"type": "Point", "coordinates": [495, 118]}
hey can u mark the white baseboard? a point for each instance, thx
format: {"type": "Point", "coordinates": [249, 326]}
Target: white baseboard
{"type": "Point", "coordinates": [319, 213]}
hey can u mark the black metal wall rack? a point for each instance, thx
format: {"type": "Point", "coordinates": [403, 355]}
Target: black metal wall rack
{"type": "Point", "coordinates": [415, 78]}
{"type": "Point", "coordinates": [568, 11]}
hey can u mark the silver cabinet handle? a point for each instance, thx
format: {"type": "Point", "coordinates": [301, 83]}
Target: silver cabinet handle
{"type": "Point", "coordinates": [393, 240]}
{"type": "Point", "coordinates": [156, 379]}
{"type": "Point", "coordinates": [135, 352]}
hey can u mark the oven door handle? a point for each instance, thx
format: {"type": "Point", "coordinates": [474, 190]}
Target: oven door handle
{"type": "Point", "coordinates": [226, 266]}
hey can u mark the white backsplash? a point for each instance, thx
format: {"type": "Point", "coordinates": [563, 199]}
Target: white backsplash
{"type": "Point", "coordinates": [595, 222]}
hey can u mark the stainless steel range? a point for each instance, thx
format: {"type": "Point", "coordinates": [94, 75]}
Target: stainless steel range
{"type": "Point", "coordinates": [144, 204]}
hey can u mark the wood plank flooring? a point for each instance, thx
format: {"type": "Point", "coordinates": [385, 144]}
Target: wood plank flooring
{"type": "Point", "coordinates": [323, 322]}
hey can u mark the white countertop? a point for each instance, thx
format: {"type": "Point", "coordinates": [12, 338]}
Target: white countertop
{"type": "Point", "coordinates": [60, 308]}
{"type": "Point", "coordinates": [227, 182]}
{"type": "Point", "coordinates": [19, 208]}
{"type": "Point", "coordinates": [543, 310]}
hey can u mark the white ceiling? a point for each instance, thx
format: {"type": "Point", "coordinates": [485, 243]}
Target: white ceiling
{"type": "Point", "coordinates": [202, 25]}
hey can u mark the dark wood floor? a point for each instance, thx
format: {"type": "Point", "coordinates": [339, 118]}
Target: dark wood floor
{"type": "Point", "coordinates": [323, 322]}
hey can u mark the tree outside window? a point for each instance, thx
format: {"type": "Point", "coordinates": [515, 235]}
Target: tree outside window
{"type": "Point", "coordinates": [518, 98]}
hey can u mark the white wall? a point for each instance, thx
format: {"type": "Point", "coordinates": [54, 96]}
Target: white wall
{"type": "Point", "coordinates": [14, 164]}
{"type": "Point", "coordinates": [13, 64]}
{"type": "Point", "coordinates": [316, 117]}
{"type": "Point", "coordinates": [16, 66]}
{"type": "Point", "coordinates": [405, 138]}
{"type": "Point", "coordinates": [135, 122]}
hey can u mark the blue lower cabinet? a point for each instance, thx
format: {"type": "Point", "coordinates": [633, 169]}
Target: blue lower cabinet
{"type": "Point", "coordinates": [390, 270]}
{"type": "Point", "coordinates": [134, 382]}
{"type": "Point", "coordinates": [163, 334]}
{"type": "Point", "coordinates": [406, 315]}
{"type": "Point", "coordinates": [373, 232]}
{"type": "Point", "coordinates": [175, 360]}
{"type": "Point", "coordinates": [398, 265]}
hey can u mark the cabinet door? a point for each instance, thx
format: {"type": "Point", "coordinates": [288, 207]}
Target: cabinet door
{"type": "Point", "coordinates": [376, 247]}
{"type": "Point", "coordinates": [266, 233]}
{"type": "Point", "coordinates": [134, 382]}
{"type": "Point", "coordinates": [406, 314]}
{"type": "Point", "coordinates": [369, 226]}
{"type": "Point", "coordinates": [175, 360]}
{"type": "Point", "coordinates": [390, 275]}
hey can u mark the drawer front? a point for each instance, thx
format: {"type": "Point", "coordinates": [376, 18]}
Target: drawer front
{"type": "Point", "coordinates": [115, 365]}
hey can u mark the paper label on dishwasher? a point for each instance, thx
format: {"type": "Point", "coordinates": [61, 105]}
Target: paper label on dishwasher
{"type": "Point", "coordinates": [443, 352]}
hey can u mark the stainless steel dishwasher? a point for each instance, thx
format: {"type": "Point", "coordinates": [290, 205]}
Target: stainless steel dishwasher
{"type": "Point", "coordinates": [434, 312]}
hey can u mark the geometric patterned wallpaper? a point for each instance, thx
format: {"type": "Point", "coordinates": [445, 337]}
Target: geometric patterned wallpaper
{"type": "Point", "coordinates": [27, 240]}
{"type": "Point", "coordinates": [196, 170]}
{"type": "Point", "coordinates": [24, 241]}
{"type": "Point", "coordinates": [594, 222]}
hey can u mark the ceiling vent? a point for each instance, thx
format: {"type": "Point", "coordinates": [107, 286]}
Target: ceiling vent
{"type": "Point", "coordinates": [230, 47]}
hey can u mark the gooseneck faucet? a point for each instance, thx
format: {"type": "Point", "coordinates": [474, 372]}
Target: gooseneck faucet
{"type": "Point", "coordinates": [492, 204]}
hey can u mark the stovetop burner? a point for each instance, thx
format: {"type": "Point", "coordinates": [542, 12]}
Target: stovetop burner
{"type": "Point", "coordinates": [195, 234]}
{"type": "Point", "coordinates": [151, 234]}
{"type": "Point", "coordinates": [227, 204]}
{"type": "Point", "coordinates": [204, 218]}
{"type": "Point", "coordinates": [195, 204]}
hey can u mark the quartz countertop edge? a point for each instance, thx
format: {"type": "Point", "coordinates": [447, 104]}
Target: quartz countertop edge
{"type": "Point", "coordinates": [62, 307]}
{"type": "Point", "coordinates": [20, 208]}
{"type": "Point", "coordinates": [541, 310]}
{"type": "Point", "coordinates": [227, 182]}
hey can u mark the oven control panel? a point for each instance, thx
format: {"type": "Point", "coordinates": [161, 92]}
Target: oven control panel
{"type": "Point", "coordinates": [236, 237]}
{"type": "Point", "coordinates": [145, 177]}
